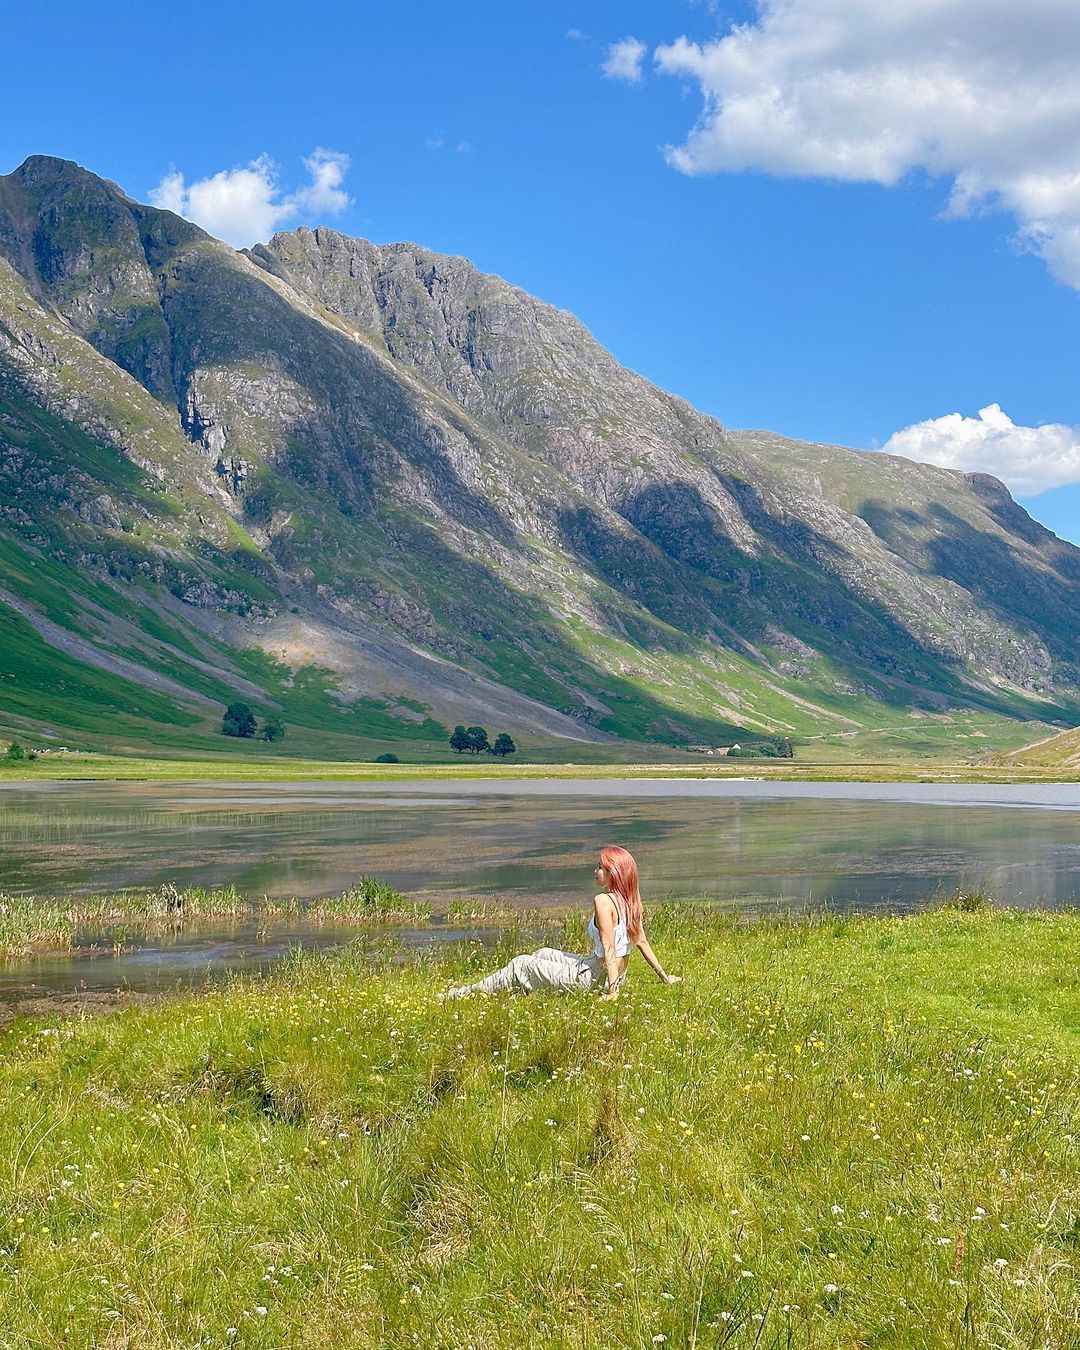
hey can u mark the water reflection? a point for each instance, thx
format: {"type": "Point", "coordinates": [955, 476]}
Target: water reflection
{"type": "Point", "coordinates": [197, 953]}
{"type": "Point", "coordinates": [846, 845]}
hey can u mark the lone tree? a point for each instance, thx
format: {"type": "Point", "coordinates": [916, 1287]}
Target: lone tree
{"type": "Point", "coordinates": [459, 741]}
{"type": "Point", "coordinates": [504, 745]}
{"type": "Point", "coordinates": [273, 730]}
{"type": "Point", "coordinates": [16, 753]}
{"type": "Point", "coordinates": [239, 720]}
{"type": "Point", "coordinates": [478, 740]}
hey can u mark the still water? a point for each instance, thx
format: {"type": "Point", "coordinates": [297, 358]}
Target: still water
{"type": "Point", "coordinates": [752, 844]}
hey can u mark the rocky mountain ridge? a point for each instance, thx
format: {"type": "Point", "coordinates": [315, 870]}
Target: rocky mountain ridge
{"type": "Point", "coordinates": [421, 494]}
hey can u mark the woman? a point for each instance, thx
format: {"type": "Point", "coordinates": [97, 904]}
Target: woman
{"type": "Point", "coordinates": [616, 927]}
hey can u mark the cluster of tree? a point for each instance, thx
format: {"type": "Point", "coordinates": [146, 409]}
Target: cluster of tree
{"type": "Point", "coordinates": [240, 721]}
{"type": "Point", "coordinates": [17, 754]}
{"type": "Point", "coordinates": [773, 747]}
{"type": "Point", "coordinates": [475, 740]}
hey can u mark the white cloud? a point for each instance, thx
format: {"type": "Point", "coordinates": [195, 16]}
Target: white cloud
{"type": "Point", "coordinates": [1029, 460]}
{"type": "Point", "coordinates": [623, 60]}
{"type": "Point", "coordinates": [245, 205]}
{"type": "Point", "coordinates": [983, 93]}
{"type": "Point", "coordinates": [169, 194]}
{"type": "Point", "coordinates": [325, 192]}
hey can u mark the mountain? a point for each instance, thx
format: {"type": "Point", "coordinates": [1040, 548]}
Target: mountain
{"type": "Point", "coordinates": [378, 492]}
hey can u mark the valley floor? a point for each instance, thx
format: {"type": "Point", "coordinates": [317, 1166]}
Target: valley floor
{"type": "Point", "coordinates": [836, 1133]}
{"type": "Point", "coordinates": [267, 768]}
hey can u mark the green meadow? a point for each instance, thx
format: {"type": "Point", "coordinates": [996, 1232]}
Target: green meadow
{"type": "Point", "coordinates": [839, 1132]}
{"type": "Point", "coordinates": [260, 763]}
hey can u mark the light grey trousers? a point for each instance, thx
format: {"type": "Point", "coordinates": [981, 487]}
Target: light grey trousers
{"type": "Point", "coordinates": [547, 968]}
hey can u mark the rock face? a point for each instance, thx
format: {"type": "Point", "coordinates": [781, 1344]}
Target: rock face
{"type": "Point", "coordinates": [428, 464]}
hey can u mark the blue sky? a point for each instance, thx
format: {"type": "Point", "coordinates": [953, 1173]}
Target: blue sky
{"type": "Point", "coordinates": [840, 262]}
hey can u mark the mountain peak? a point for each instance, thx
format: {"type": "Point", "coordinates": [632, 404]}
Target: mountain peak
{"type": "Point", "coordinates": [435, 487]}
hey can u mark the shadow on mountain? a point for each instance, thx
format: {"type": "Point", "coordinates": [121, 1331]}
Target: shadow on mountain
{"type": "Point", "coordinates": [489, 627]}
{"type": "Point", "coordinates": [989, 569]}
{"type": "Point", "coordinates": [801, 569]}
{"type": "Point", "coordinates": [995, 497]}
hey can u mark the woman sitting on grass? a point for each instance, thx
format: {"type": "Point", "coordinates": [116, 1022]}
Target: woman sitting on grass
{"type": "Point", "coordinates": [616, 928]}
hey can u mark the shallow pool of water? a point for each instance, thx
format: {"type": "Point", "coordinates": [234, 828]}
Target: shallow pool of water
{"type": "Point", "coordinates": [751, 844]}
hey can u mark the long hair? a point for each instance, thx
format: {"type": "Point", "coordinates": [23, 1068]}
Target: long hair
{"type": "Point", "coordinates": [622, 869]}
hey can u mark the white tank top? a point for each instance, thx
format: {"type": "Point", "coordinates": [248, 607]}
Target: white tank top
{"type": "Point", "coordinates": [623, 945]}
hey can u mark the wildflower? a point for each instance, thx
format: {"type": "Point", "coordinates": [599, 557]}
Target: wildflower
{"type": "Point", "coordinates": [805, 1138]}
{"type": "Point", "coordinates": [261, 1310]}
{"type": "Point", "coordinates": [1001, 1263]}
{"type": "Point", "coordinates": [837, 1209]}
{"type": "Point", "coordinates": [832, 1289]}
{"type": "Point", "coordinates": [659, 1338]}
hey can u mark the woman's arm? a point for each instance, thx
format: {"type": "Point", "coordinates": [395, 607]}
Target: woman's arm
{"type": "Point", "coordinates": [605, 926]}
{"type": "Point", "coordinates": [642, 944]}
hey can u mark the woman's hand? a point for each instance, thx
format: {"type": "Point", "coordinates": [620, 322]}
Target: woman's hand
{"type": "Point", "coordinates": [609, 996]}
{"type": "Point", "coordinates": [673, 979]}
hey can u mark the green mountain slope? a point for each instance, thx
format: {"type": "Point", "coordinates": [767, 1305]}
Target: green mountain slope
{"type": "Point", "coordinates": [377, 492]}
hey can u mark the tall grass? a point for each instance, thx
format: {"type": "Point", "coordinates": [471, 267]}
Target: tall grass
{"type": "Point", "coordinates": [29, 924]}
{"type": "Point", "coordinates": [838, 1132]}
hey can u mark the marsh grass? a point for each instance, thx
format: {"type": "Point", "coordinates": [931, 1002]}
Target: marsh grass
{"type": "Point", "coordinates": [968, 899]}
{"type": "Point", "coordinates": [479, 911]}
{"type": "Point", "coordinates": [28, 925]}
{"type": "Point", "coordinates": [838, 1132]}
{"type": "Point", "coordinates": [31, 924]}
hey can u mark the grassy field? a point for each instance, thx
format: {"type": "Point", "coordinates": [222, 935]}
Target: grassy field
{"type": "Point", "coordinates": [1057, 753]}
{"type": "Point", "coordinates": [838, 1133]}
{"type": "Point", "coordinates": [268, 767]}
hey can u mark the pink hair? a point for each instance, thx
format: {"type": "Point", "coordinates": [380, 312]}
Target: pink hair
{"type": "Point", "coordinates": [622, 869]}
